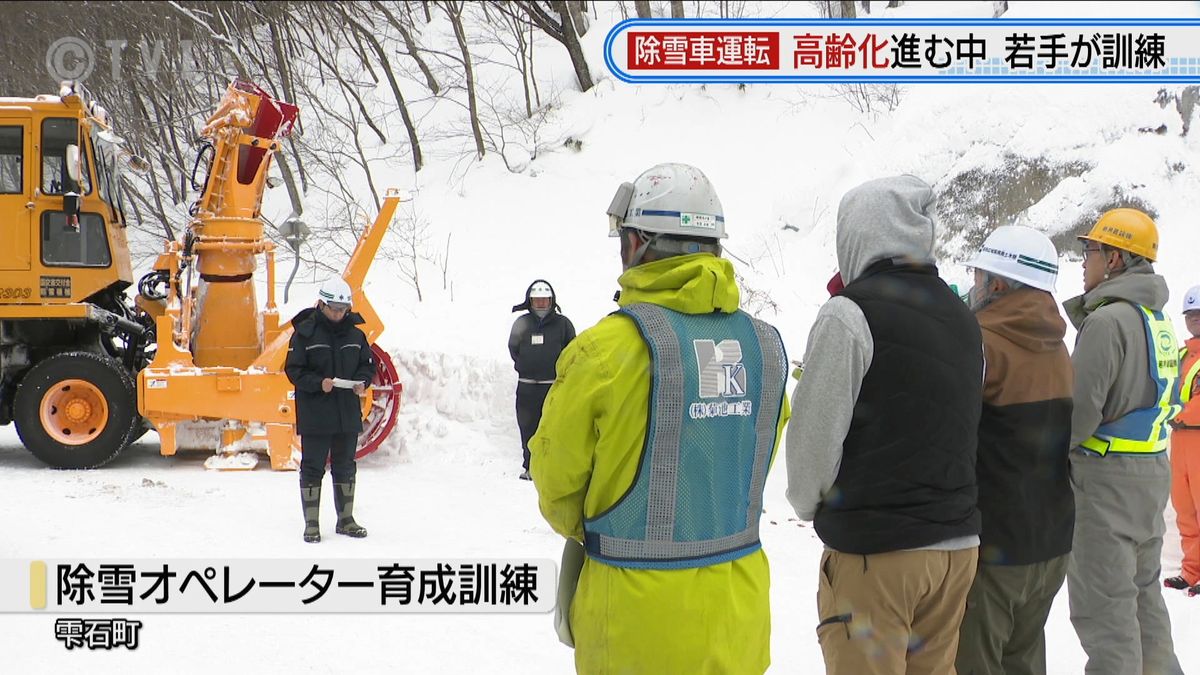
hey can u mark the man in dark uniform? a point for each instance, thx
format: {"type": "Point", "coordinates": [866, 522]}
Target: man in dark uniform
{"type": "Point", "coordinates": [536, 340]}
{"type": "Point", "coordinates": [329, 361]}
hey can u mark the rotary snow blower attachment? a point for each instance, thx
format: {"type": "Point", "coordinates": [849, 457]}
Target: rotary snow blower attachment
{"type": "Point", "coordinates": [216, 380]}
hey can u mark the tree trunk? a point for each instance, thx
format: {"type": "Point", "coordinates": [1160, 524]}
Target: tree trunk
{"type": "Point", "coordinates": [516, 23]}
{"type": "Point", "coordinates": [537, 95]}
{"type": "Point", "coordinates": [290, 181]}
{"type": "Point", "coordinates": [411, 46]}
{"type": "Point", "coordinates": [999, 8]}
{"type": "Point", "coordinates": [893, 4]}
{"type": "Point", "coordinates": [380, 54]}
{"type": "Point", "coordinates": [676, 9]}
{"type": "Point", "coordinates": [454, 11]}
{"type": "Point", "coordinates": [332, 65]}
{"type": "Point", "coordinates": [563, 31]}
{"type": "Point", "coordinates": [642, 7]}
{"type": "Point", "coordinates": [848, 9]}
{"type": "Point", "coordinates": [295, 148]}
{"type": "Point", "coordinates": [571, 41]}
{"type": "Point", "coordinates": [578, 18]}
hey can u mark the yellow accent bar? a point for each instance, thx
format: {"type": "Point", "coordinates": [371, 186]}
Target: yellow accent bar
{"type": "Point", "coordinates": [37, 584]}
{"type": "Point", "coordinates": [360, 261]}
{"type": "Point", "coordinates": [1188, 383]}
{"type": "Point", "coordinates": [71, 311]}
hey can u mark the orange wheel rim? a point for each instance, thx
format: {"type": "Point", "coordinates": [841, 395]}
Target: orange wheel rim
{"type": "Point", "coordinates": [74, 412]}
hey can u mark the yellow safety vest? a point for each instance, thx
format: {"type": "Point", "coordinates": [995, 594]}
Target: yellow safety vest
{"type": "Point", "coordinates": [1188, 383]}
{"type": "Point", "coordinates": [1144, 431]}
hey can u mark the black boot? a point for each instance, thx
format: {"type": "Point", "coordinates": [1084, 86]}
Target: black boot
{"type": "Point", "coordinates": [343, 499]}
{"type": "Point", "coordinates": [310, 499]}
{"type": "Point", "coordinates": [1178, 583]}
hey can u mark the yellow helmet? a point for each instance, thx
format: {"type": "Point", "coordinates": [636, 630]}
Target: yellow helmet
{"type": "Point", "coordinates": [1128, 230]}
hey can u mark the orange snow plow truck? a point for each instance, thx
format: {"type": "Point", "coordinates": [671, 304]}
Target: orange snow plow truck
{"type": "Point", "coordinates": [85, 371]}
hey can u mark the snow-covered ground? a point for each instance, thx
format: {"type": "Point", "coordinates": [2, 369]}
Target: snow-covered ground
{"type": "Point", "coordinates": [444, 485]}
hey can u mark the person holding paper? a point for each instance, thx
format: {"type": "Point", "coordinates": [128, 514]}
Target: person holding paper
{"type": "Point", "coordinates": [329, 361]}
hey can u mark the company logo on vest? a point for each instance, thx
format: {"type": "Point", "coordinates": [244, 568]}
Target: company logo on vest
{"type": "Point", "coordinates": [721, 370]}
{"type": "Point", "coordinates": [722, 375]}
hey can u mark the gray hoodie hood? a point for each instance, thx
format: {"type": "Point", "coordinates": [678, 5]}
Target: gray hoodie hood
{"type": "Point", "coordinates": [1138, 284]}
{"type": "Point", "coordinates": [886, 218]}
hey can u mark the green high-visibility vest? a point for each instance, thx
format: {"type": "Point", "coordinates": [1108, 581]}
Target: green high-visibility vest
{"type": "Point", "coordinates": [1187, 384]}
{"type": "Point", "coordinates": [1144, 431]}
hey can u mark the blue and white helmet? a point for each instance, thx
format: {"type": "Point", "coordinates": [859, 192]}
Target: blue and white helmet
{"type": "Point", "coordinates": [673, 199]}
{"type": "Point", "coordinates": [1191, 300]}
{"type": "Point", "coordinates": [335, 289]}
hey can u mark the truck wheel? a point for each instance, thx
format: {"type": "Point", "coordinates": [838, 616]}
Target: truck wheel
{"type": "Point", "coordinates": [141, 426]}
{"type": "Point", "coordinates": [75, 410]}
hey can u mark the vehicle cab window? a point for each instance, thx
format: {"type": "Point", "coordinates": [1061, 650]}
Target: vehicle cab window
{"type": "Point", "coordinates": [57, 134]}
{"type": "Point", "coordinates": [12, 161]}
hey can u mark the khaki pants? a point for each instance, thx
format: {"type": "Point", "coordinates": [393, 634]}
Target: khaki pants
{"type": "Point", "coordinates": [893, 613]}
{"type": "Point", "coordinates": [1003, 630]}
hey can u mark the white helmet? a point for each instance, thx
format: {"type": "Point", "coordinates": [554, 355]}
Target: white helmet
{"type": "Point", "coordinates": [1021, 254]}
{"type": "Point", "coordinates": [1191, 301]}
{"type": "Point", "coordinates": [335, 289]}
{"type": "Point", "coordinates": [674, 199]}
{"type": "Point", "coordinates": [541, 289]}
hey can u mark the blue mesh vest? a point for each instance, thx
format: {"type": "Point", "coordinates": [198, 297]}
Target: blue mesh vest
{"type": "Point", "coordinates": [1144, 431]}
{"type": "Point", "coordinates": [717, 384]}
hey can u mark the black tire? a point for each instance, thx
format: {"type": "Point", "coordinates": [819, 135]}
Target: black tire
{"type": "Point", "coordinates": [105, 374]}
{"type": "Point", "coordinates": [141, 426]}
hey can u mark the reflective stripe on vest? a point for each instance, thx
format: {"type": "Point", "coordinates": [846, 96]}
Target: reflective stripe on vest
{"type": "Point", "coordinates": [1188, 383]}
{"type": "Point", "coordinates": [717, 384]}
{"type": "Point", "coordinates": [1144, 431]}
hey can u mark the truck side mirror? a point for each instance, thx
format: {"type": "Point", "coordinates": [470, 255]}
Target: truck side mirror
{"type": "Point", "coordinates": [74, 168]}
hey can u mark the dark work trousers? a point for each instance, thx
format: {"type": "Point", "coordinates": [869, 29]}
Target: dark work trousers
{"type": "Point", "coordinates": [530, 398]}
{"type": "Point", "coordinates": [337, 449]}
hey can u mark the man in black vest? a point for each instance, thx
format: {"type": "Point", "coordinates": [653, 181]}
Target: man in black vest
{"type": "Point", "coordinates": [881, 449]}
{"type": "Point", "coordinates": [537, 338]}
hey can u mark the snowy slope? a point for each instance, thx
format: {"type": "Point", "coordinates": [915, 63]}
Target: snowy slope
{"type": "Point", "coordinates": [444, 485]}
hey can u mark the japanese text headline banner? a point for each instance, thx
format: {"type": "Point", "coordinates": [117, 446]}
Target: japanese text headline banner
{"type": "Point", "coordinates": [82, 586]}
{"type": "Point", "coordinates": [904, 50]}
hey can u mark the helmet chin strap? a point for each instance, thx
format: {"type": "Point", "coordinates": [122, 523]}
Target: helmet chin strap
{"type": "Point", "coordinates": [667, 246]}
{"type": "Point", "coordinates": [640, 252]}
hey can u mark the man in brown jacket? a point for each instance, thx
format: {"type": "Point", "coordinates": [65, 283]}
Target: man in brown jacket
{"type": "Point", "coordinates": [1022, 467]}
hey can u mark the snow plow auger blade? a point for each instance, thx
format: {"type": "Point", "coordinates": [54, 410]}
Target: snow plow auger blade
{"type": "Point", "coordinates": [216, 381]}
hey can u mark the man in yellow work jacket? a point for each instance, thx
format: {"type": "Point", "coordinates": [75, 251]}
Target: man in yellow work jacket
{"type": "Point", "coordinates": [1126, 363]}
{"type": "Point", "coordinates": [654, 447]}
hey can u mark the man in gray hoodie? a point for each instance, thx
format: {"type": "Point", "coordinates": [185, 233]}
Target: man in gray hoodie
{"type": "Point", "coordinates": [881, 447]}
{"type": "Point", "coordinates": [1126, 367]}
